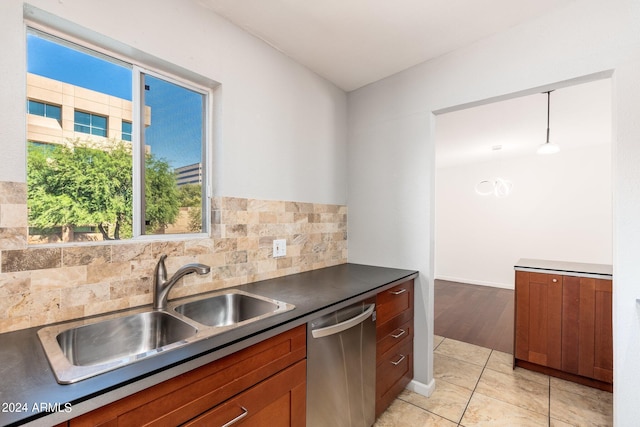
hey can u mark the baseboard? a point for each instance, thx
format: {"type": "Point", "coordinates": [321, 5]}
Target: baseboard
{"type": "Point", "coordinates": [421, 388]}
{"type": "Point", "coordinates": [477, 282]}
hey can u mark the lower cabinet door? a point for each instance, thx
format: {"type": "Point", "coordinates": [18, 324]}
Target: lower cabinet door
{"type": "Point", "coordinates": [393, 373]}
{"type": "Point", "coordinates": [279, 401]}
{"type": "Point", "coordinates": [538, 318]}
{"type": "Point", "coordinates": [587, 329]}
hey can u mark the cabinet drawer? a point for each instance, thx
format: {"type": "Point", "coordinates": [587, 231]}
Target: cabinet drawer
{"type": "Point", "coordinates": [394, 301]}
{"type": "Point", "coordinates": [184, 397]}
{"type": "Point", "coordinates": [393, 373]}
{"type": "Point", "coordinates": [393, 333]}
{"type": "Point", "coordinates": [277, 402]}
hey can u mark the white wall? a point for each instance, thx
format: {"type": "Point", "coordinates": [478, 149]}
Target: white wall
{"type": "Point", "coordinates": [282, 128]}
{"type": "Point", "coordinates": [560, 209]}
{"type": "Point", "coordinates": [391, 151]}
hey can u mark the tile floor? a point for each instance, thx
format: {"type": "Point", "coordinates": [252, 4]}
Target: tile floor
{"type": "Point", "coordinates": [476, 386]}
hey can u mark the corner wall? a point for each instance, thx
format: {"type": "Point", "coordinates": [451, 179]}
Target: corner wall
{"type": "Point", "coordinates": [391, 155]}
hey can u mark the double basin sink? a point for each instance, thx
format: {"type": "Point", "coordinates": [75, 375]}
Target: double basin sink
{"type": "Point", "coordinates": [82, 349]}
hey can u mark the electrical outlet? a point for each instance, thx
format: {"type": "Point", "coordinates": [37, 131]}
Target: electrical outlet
{"type": "Point", "coordinates": [279, 248]}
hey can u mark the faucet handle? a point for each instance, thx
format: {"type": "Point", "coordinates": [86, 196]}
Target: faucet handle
{"type": "Point", "coordinates": [161, 270]}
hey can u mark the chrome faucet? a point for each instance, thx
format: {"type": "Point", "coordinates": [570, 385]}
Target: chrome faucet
{"type": "Point", "coordinates": [162, 286]}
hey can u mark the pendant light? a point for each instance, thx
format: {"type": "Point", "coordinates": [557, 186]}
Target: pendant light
{"type": "Point", "coordinates": [548, 147]}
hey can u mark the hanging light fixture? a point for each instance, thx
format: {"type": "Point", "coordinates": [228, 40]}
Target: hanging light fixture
{"type": "Point", "coordinates": [548, 147]}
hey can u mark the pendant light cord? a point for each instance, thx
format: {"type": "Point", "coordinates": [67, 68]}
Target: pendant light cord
{"type": "Point", "coordinates": [548, 112]}
{"type": "Point", "coordinates": [548, 147]}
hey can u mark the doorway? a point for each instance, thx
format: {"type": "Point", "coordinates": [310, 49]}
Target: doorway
{"type": "Point", "coordinates": [558, 208]}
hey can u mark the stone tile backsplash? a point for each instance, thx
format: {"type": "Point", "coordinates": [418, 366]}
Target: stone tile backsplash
{"type": "Point", "coordinates": [45, 284]}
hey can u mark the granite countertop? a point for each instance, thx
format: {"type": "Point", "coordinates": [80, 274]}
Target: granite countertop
{"type": "Point", "coordinates": [603, 271]}
{"type": "Point", "coordinates": [30, 394]}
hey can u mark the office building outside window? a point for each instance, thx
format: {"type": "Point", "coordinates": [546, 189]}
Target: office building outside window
{"type": "Point", "coordinates": [190, 174]}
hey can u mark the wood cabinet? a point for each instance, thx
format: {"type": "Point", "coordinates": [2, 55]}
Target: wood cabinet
{"type": "Point", "coordinates": [563, 327]}
{"type": "Point", "coordinates": [266, 381]}
{"type": "Point", "coordinates": [278, 401]}
{"type": "Point", "coordinates": [587, 326]}
{"type": "Point", "coordinates": [538, 327]}
{"type": "Point", "coordinates": [394, 348]}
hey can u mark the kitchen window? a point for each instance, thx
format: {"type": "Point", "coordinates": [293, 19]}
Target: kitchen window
{"type": "Point", "coordinates": [113, 172]}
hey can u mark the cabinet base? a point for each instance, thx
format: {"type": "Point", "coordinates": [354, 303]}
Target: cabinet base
{"type": "Point", "coordinates": [601, 385]}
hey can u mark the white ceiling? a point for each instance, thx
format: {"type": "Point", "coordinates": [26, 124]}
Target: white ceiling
{"type": "Point", "coordinates": [356, 42]}
{"type": "Point", "coordinates": [580, 116]}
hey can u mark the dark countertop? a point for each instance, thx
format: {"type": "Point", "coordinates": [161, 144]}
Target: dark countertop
{"type": "Point", "coordinates": [28, 382]}
{"type": "Point", "coordinates": [603, 271]}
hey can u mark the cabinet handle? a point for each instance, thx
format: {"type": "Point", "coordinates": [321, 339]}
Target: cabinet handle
{"type": "Point", "coordinates": [238, 418]}
{"type": "Point", "coordinates": [554, 280]}
{"type": "Point", "coordinates": [402, 332]}
{"type": "Point", "coordinates": [396, 363]}
{"type": "Point", "coordinates": [398, 292]}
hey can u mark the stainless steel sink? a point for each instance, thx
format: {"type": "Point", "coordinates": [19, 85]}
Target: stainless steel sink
{"type": "Point", "coordinates": [231, 308]}
{"type": "Point", "coordinates": [123, 337]}
{"type": "Point", "coordinates": [80, 350]}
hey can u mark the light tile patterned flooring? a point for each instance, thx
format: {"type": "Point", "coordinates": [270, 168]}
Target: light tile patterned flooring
{"type": "Point", "coordinates": [476, 386]}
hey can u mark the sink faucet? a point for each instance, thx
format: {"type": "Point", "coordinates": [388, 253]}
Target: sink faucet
{"type": "Point", "coordinates": [161, 285]}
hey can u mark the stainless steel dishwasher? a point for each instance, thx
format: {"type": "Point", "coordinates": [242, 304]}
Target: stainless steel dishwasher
{"type": "Point", "coordinates": [341, 367]}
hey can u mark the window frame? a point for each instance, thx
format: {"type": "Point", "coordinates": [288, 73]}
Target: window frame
{"type": "Point", "coordinates": [48, 25]}
{"type": "Point", "coordinates": [138, 143]}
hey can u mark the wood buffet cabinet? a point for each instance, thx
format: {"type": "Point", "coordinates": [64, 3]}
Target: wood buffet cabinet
{"type": "Point", "coordinates": [563, 325]}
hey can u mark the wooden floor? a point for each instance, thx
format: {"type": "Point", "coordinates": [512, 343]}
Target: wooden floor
{"type": "Point", "coordinates": [474, 314]}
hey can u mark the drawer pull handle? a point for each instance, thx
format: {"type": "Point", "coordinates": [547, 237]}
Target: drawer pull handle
{"type": "Point", "coordinates": [238, 418]}
{"type": "Point", "coordinates": [398, 292]}
{"type": "Point", "coordinates": [396, 363]}
{"type": "Point", "coordinates": [554, 280]}
{"type": "Point", "coordinates": [398, 335]}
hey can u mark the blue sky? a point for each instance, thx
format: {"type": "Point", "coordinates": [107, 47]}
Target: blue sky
{"type": "Point", "coordinates": [176, 113]}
